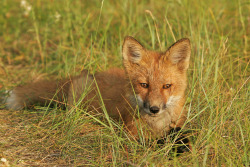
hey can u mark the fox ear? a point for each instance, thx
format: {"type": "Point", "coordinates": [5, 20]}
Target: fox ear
{"type": "Point", "coordinates": [131, 50]}
{"type": "Point", "coordinates": [179, 53]}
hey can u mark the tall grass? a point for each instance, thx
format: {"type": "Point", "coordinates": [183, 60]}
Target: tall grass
{"type": "Point", "coordinates": [60, 38]}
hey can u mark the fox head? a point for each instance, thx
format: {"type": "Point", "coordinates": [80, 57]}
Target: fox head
{"type": "Point", "coordinates": [158, 78]}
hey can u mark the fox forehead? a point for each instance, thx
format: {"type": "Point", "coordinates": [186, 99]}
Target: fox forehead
{"type": "Point", "coordinates": [155, 66]}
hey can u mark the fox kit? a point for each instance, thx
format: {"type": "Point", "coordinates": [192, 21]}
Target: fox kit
{"type": "Point", "coordinates": [152, 83]}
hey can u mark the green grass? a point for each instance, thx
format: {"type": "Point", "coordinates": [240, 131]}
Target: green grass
{"type": "Point", "coordinates": [89, 35]}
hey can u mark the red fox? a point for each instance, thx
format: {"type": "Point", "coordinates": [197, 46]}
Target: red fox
{"type": "Point", "coordinates": [149, 92]}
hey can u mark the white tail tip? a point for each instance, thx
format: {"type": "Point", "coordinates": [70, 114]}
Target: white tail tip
{"type": "Point", "coordinates": [12, 102]}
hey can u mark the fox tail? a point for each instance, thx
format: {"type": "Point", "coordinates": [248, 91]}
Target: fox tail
{"type": "Point", "coordinates": [40, 92]}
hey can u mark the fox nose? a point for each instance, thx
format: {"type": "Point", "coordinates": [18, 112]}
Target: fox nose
{"type": "Point", "coordinates": [154, 109]}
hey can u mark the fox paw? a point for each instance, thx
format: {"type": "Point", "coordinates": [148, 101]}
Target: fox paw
{"type": "Point", "coordinates": [180, 140]}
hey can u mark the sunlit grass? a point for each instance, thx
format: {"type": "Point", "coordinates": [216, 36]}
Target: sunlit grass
{"type": "Point", "coordinates": [55, 39]}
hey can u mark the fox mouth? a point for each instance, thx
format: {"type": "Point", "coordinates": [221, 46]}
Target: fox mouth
{"type": "Point", "coordinates": [153, 115]}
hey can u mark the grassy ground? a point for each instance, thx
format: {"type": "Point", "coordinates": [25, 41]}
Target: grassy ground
{"type": "Point", "coordinates": [54, 38]}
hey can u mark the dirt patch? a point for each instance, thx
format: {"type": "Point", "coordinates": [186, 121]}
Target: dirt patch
{"type": "Point", "coordinates": [19, 144]}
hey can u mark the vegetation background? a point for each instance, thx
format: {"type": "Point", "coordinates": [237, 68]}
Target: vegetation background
{"type": "Point", "coordinates": [42, 39]}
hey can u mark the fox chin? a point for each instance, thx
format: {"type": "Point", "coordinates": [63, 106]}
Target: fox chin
{"type": "Point", "coordinates": [149, 93]}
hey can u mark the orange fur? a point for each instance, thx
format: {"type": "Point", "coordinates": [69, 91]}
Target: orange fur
{"type": "Point", "coordinates": [139, 86]}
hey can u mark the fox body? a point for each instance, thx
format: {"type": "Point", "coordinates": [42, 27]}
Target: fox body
{"type": "Point", "coordinates": [152, 83]}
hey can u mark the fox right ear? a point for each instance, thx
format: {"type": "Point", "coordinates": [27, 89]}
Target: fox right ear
{"type": "Point", "coordinates": [131, 50]}
{"type": "Point", "coordinates": [179, 53]}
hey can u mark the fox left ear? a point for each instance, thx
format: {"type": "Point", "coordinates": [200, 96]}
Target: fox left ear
{"type": "Point", "coordinates": [179, 53]}
{"type": "Point", "coordinates": [131, 51]}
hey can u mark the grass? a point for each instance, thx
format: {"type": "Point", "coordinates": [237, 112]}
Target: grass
{"type": "Point", "coordinates": [59, 38]}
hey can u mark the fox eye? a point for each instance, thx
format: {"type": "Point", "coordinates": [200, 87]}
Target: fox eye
{"type": "Point", "coordinates": [166, 86]}
{"type": "Point", "coordinates": [144, 85]}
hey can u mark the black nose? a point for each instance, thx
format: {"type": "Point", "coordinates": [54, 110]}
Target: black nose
{"type": "Point", "coordinates": [154, 109]}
